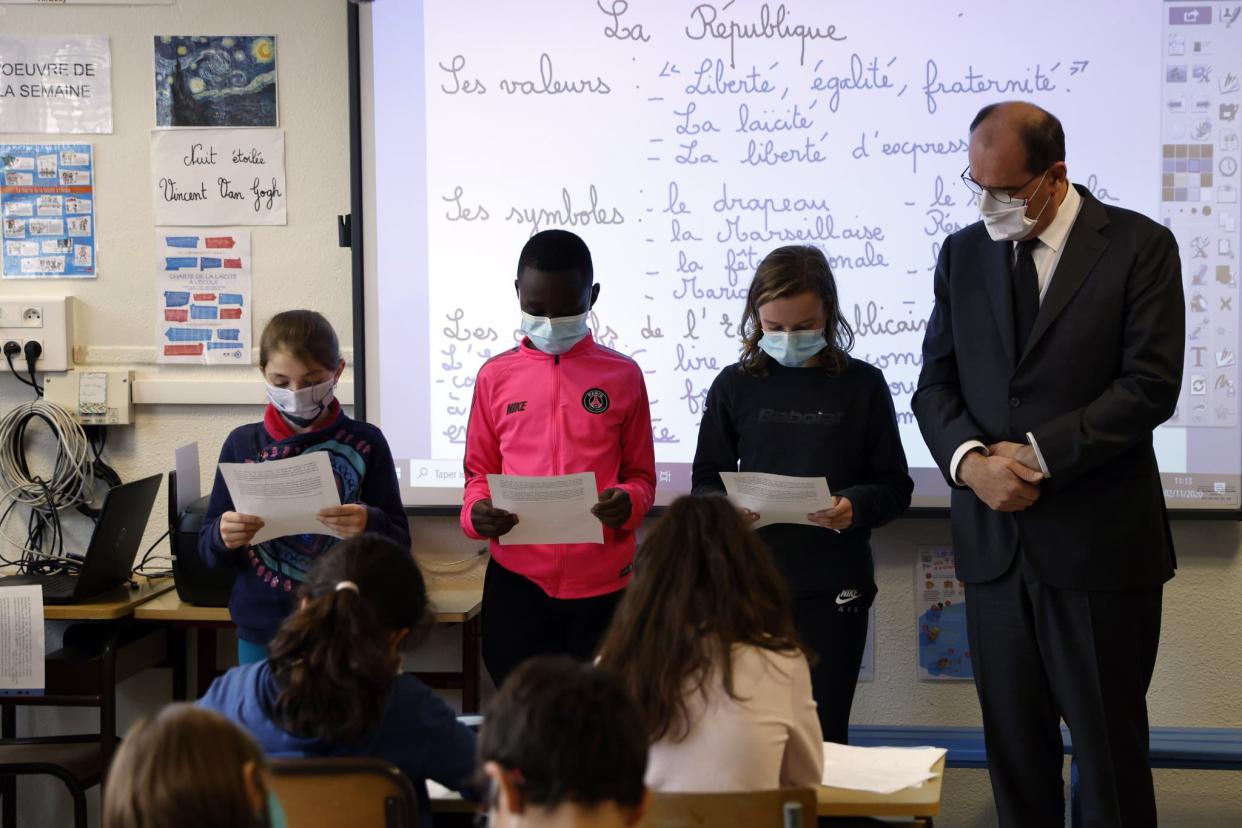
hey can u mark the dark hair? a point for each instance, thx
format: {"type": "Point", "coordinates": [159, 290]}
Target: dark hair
{"type": "Point", "coordinates": [303, 334]}
{"type": "Point", "coordinates": [790, 271]}
{"type": "Point", "coordinates": [557, 251]}
{"type": "Point", "coordinates": [332, 660]}
{"type": "Point", "coordinates": [703, 582]}
{"type": "Point", "coordinates": [1040, 132]}
{"type": "Point", "coordinates": [182, 769]}
{"type": "Point", "coordinates": [570, 731]}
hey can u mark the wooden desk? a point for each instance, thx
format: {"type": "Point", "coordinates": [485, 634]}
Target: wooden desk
{"type": "Point", "coordinates": [459, 606]}
{"type": "Point", "coordinates": [456, 606]}
{"type": "Point", "coordinates": [111, 605]}
{"type": "Point", "coordinates": [85, 670]}
{"type": "Point", "coordinates": [169, 607]}
{"type": "Point", "coordinates": [452, 606]}
{"type": "Point", "coordinates": [921, 801]}
{"type": "Point", "coordinates": [184, 618]}
{"type": "Point", "coordinates": [918, 803]}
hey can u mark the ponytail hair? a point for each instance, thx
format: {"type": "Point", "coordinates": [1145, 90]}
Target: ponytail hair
{"type": "Point", "coordinates": [332, 659]}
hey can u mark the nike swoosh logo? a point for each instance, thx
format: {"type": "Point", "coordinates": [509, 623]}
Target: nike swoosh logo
{"type": "Point", "coordinates": [847, 599]}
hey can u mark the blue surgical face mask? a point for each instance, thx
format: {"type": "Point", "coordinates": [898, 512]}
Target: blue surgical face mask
{"type": "Point", "coordinates": [555, 335]}
{"type": "Point", "coordinates": [793, 348]}
{"type": "Point", "coordinates": [275, 812]}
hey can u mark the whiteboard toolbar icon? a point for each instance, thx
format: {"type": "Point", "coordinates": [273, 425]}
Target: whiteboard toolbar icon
{"type": "Point", "coordinates": [1190, 16]}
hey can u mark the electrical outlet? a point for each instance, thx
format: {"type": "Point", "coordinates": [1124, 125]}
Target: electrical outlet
{"type": "Point", "coordinates": [49, 319]}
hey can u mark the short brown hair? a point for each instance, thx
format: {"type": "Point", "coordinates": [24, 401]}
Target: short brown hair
{"type": "Point", "coordinates": [304, 335]}
{"type": "Point", "coordinates": [703, 583]}
{"type": "Point", "coordinates": [791, 271]}
{"type": "Point", "coordinates": [570, 731]}
{"type": "Point", "coordinates": [182, 769]}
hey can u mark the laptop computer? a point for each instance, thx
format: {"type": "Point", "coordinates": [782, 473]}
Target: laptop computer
{"type": "Point", "coordinates": [109, 558]}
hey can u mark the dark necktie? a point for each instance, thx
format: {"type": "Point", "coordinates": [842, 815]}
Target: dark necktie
{"type": "Point", "coordinates": [1025, 293]}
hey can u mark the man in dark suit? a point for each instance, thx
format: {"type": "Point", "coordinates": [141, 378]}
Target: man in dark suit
{"type": "Point", "coordinates": [1055, 347]}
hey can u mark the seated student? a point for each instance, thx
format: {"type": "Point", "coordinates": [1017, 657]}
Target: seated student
{"type": "Point", "coordinates": [559, 403]}
{"type": "Point", "coordinates": [189, 768]}
{"type": "Point", "coordinates": [704, 642]}
{"type": "Point", "coordinates": [562, 746]}
{"type": "Point", "coordinates": [301, 363]}
{"type": "Point", "coordinates": [332, 685]}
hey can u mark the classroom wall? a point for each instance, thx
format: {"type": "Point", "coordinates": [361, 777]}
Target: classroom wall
{"type": "Point", "coordinates": [1200, 665]}
{"type": "Point", "coordinates": [114, 315]}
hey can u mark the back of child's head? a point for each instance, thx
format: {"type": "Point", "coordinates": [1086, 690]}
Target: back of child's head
{"type": "Point", "coordinates": [703, 583]}
{"type": "Point", "coordinates": [569, 733]}
{"type": "Point", "coordinates": [557, 251]}
{"type": "Point", "coordinates": [334, 658]}
{"type": "Point", "coordinates": [304, 335]}
{"type": "Point", "coordinates": [184, 768]}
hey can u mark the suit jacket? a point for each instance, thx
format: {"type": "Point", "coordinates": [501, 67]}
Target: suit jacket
{"type": "Point", "coordinates": [1101, 369]}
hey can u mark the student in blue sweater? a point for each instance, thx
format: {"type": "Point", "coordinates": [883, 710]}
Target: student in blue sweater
{"type": "Point", "coordinates": [332, 686]}
{"type": "Point", "coordinates": [301, 363]}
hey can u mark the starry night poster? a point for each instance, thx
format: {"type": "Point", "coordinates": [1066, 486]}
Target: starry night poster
{"type": "Point", "coordinates": [215, 81]}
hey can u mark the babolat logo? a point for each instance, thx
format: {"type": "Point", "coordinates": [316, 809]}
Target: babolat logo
{"type": "Point", "coordinates": [515, 407]}
{"type": "Point", "coordinates": [820, 418]}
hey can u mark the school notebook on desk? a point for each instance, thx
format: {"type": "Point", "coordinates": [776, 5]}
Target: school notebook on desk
{"type": "Point", "coordinates": [109, 558]}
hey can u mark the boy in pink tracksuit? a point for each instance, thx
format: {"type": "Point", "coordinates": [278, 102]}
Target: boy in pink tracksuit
{"type": "Point", "coordinates": [556, 404]}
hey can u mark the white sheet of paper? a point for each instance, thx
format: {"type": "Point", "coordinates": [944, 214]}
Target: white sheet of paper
{"type": "Point", "coordinates": [882, 770]}
{"type": "Point", "coordinates": [21, 640]}
{"type": "Point", "coordinates": [437, 791]}
{"type": "Point", "coordinates": [287, 494]}
{"type": "Point", "coordinates": [554, 509]}
{"type": "Point", "coordinates": [777, 498]}
{"type": "Point", "coordinates": [237, 176]}
{"type": "Point", "coordinates": [72, 76]}
{"type": "Point", "coordinates": [189, 486]}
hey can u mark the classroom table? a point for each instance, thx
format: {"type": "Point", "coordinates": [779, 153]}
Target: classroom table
{"type": "Point", "coordinates": [85, 671]}
{"type": "Point", "coordinates": [182, 618]}
{"type": "Point", "coordinates": [919, 804]}
{"type": "Point", "coordinates": [452, 606]}
{"type": "Point", "coordinates": [110, 605]}
{"type": "Point", "coordinates": [114, 605]}
{"type": "Point", "coordinates": [459, 606]}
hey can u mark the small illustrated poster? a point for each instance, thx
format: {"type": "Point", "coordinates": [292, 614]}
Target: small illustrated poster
{"type": "Point", "coordinates": [940, 604]}
{"type": "Point", "coordinates": [202, 285]}
{"type": "Point", "coordinates": [207, 81]}
{"type": "Point", "coordinates": [47, 202]}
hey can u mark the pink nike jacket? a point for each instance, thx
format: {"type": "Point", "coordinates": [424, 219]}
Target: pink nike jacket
{"type": "Point", "coordinates": [584, 410]}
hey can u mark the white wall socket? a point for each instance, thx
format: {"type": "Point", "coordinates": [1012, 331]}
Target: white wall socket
{"type": "Point", "coordinates": [46, 320]}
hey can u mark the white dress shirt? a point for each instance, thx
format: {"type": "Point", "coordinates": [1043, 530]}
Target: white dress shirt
{"type": "Point", "coordinates": [1046, 255]}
